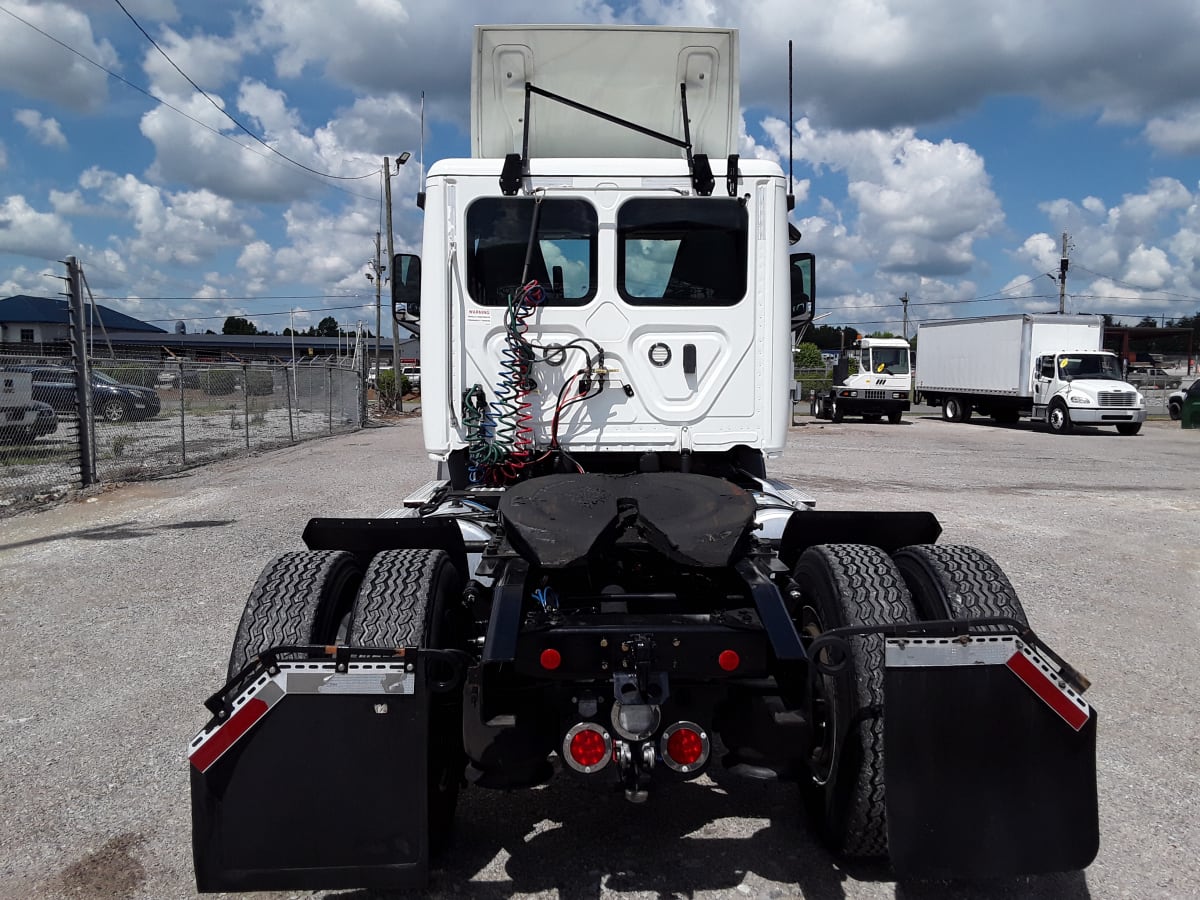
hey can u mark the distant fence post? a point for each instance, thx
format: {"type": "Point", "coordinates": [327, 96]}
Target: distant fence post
{"type": "Point", "coordinates": [182, 420]}
{"type": "Point", "coordinates": [246, 402]}
{"type": "Point", "coordinates": [83, 380]}
{"type": "Point", "coordinates": [289, 382]}
{"type": "Point", "coordinates": [329, 395]}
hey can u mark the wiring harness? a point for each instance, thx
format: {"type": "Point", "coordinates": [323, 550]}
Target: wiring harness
{"type": "Point", "coordinates": [500, 434]}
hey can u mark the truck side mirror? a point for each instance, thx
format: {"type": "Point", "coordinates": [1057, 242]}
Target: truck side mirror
{"type": "Point", "coordinates": [803, 288]}
{"type": "Point", "coordinates": [406, 287]}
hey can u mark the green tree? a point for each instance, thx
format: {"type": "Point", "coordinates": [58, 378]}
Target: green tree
{"type": "Point", "coordinates": [327, 327]}
{"type": "Point", "coordinates": [808, 356]}
{"type": "Point", "coordinates": [238, 325]}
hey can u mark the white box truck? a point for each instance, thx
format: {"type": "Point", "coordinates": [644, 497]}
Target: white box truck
{"type": "Point", "coordinates": [1052, 368]}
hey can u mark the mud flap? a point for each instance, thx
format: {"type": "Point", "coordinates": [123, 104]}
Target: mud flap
{"type": "Point", "coordinates": [317, 779]}
{"type": "Point", "coordinates": [989, 761]}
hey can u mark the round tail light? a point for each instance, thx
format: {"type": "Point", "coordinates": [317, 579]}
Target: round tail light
{"type": "Point", "coordinates": [684, 746]}
{"type": "Point", "coordinates": [587, 747]}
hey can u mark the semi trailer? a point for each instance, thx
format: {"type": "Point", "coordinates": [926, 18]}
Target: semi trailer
{"type": "Point", "coordinates": [1050, 368]}
{"type": "Point", "coordinates": [601, 581]}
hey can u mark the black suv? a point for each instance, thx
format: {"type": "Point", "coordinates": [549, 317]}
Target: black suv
{"type": "Point", "coordinates": [111, 400]}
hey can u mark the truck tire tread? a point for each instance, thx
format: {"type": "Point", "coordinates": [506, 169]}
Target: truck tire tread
{"type": "Point", "coordinates": [296, 600]}
{"type": "Point", "coordinates": [868, 589]}
{"type": "Point", "coordinates": [952, 581]}
{"type": "Point", "coordinates": [404, 601]}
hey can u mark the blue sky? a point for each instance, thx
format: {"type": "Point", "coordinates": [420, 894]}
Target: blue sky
{"type": "Point", "coordinates": [941, 148]}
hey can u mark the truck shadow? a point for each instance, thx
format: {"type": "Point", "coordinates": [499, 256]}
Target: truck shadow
{"type": "Point", "coordinates": [732, 836]}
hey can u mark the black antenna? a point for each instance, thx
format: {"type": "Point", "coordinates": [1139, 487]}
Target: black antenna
{"type": "Point", "coordinates": [791, 198]}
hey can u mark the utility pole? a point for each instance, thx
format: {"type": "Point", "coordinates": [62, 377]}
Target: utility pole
{"type": "Point", "coordinates": [391, 256]}
{"type": "Point", "coordinates": [904, 300]}
{"type": "Point", "coordinates": [1063, 264]}
{"type": "Point", "coordinates": [378, 325]}
{"type": "Point", "coordinates": [83, 387]}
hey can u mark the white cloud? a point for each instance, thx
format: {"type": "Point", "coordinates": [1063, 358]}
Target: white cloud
{"type": "Point", "coordinates": [921, 206]}
{"type": "Point", "coordinates": [28, 232]}
{"type": "Point", "coordinates": [201, 158]}
{"type": "Point", "coordinates": [183, 228]}
{"type": "Point", "coordinates": [1123, 257]}
{"type": "Point", "coordinates": [1178, 134]}
{"type": "Point", "coordinates": [36, 66]}
{"type": "Point", "coordinates": [1147, 267]}
{"type": "Point", "coordinates": [209, 60]}
{"type": "Point", "coordinates": [244, 169]}
{"type": "Point", "coordinates": [43, 130]}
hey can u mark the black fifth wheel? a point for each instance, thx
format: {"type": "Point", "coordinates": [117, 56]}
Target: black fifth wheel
{"type": "Point", "coordinates": [849, 585]}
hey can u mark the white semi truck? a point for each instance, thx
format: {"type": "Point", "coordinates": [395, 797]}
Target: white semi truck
{"type": "Point", "coordinates": [1051, 368]}
{"type": "Point", "coordinates": [873, 379]}
{"type": "Point", "coordinates": [601, 582]}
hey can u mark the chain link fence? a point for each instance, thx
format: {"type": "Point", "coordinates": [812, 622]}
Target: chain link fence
{"type": "Point", "coordinates": [151, 417]}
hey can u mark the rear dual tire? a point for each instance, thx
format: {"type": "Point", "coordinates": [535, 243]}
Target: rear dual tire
{"type": "Point", "coordinates": [844, 585]}
{"type": "Point", "coordinates": [949, 581]}
{"type": "Point", "coordinates": [852, 584]}
{"type": "Point", "coordinates": [955, 410]}
{"type": "Point", "coordinates": [407, 598]}
{"type": "Point", "coordinates": [410, 598]}
{"type": "Point", "coordinates": [299, 599]}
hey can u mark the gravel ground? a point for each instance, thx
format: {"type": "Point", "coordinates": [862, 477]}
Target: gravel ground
{"type": "Point", "coordinates": [118, 613]}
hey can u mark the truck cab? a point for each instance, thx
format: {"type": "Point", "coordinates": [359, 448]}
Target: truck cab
{"type": "Point", "coordinates": [589, 284]}
{"type": "Point", "coordinates": [1085, 387]}
{"type": "Point", "coordinates": [872, 379]}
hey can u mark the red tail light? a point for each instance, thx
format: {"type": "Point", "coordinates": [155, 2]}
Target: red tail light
{"type": "Point", "coordinates": [684, 746]}
{"type": "Point", "coordinates": [587, 747]}
{"type": "Point", "coordinates": [550, 659]}
{"type": "Point", "coordinates": [729, 660]}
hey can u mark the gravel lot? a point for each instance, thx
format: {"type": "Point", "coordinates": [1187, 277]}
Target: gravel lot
{"type": "Point", "coordinates": [118, 613]}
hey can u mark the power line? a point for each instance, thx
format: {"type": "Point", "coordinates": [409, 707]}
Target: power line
{"type": "Point", "coordinates": [261, 315]}
{"type": "Point", "coordinates": [226, 113]}
{"type": "Point", "coordinates": [111, 74]}
{"type": "Point", "coordinates": [241, 299]}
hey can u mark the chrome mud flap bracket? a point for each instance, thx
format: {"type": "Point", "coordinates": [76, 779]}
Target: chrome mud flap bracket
{"type": "Point", "coordinates": [314, 777]}
{"type": "Point", "coordinates": [989, 760]}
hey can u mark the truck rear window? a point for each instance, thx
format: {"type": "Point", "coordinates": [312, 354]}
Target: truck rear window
{"type": "Point", "coordinates": [564, 251]}
{"type": "Point", "coordinates": [682, 251]}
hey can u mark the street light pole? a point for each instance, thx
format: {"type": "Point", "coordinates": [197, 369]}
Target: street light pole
{"type": "Point", "coordinates": [391, 257]}
{"type": "Point", "coordinates": [378, 325]}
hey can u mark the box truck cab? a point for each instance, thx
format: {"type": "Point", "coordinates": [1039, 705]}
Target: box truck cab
{"type": "Point", "coordinates": [1080, 388]}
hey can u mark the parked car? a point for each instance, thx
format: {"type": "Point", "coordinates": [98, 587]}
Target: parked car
{"type": "Point", "coordinates": [413, 374]}
{"type": "Point", "coordinates": [111, 400]}
{"type": "Point", "coordinates": [1152, 377]}
{"type": "Point", "coordinates": [27, 422]}
{"type": "Point", "coordinates": [1175, 399]}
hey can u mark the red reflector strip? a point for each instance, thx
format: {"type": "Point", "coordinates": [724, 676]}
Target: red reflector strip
{"type": "Point", "coordinates": [1051, 694]}
{"type": "Point", "coordinates": [225, 736]}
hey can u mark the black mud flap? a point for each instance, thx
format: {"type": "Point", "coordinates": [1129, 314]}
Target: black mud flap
{"type": "Point", "coordinates": [317, 780]}
{"type": "Point", "coordinates": [989, 761]}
